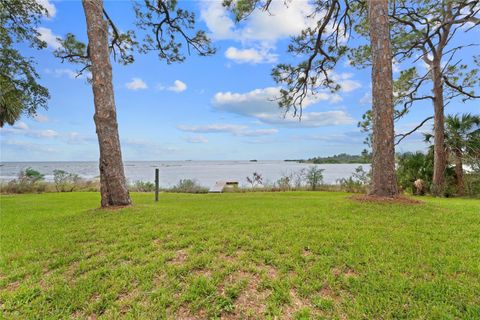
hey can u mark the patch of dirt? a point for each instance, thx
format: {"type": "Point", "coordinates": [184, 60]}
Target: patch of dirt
{"type": "Point", "coordinates": [202, 273]}
{"type": "Point", "coordinates": [377, 199]}
{"type": "Point", "coordinates": [126, 298]}
{"type": "Point", "coordinates": [347, 272]}
{"type": "Point", "coordinates": [43, 282]}
{"type": "Point", "coordinates": [251, 302]}
{"type": "Point", "coordinates": [183, 313]}
{"type": "Point", "coordinates": [306, 252]}
{"type": "Point", "coordinates": [180, 257]}
{"type": "Point", "coordinates": [327, 293]}
{"type": "Point", "coordinates": [295, 305]}
{"type": "Point", "coordinates": [270, 270]}
{"type": "Point", "coordinates": [13, 286]}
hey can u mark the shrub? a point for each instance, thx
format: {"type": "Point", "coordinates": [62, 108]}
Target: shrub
{"type": "Point", "coordinates": [65, 181]}
{"type": "Point", "coordinates": [414, 166]}
{"type": "Point", "coordinates": [255, 180]}
{"type": "Point", "coordinates": [314, 177]}
{"type": "Point", "coordinates": [29, 180]}
{"type": "Point", "coordinates": [472, 184]}
{"type": "Point", "coordinates": [188, 186]}
{"type": "Point", "coordinates": [284, 183]}
{"type": "Point", "coordinates": [357, 183]}
{"type": "Point", "coordinates": [142, 186]}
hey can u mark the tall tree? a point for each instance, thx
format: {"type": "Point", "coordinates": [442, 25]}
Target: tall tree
{"type": "Point", "coordinates": [383, 150]}
{"type": "Point", "coordinates": [428, 30]}
{"type": "Point", "coordinates": [462, 140]}
{"type": "Point", "coordinates": [113, 187]}
{"type": "Point", "coordinates": [324, 44]}
{"type": "Point", "coordinates": [20, 93]}
{"type": "Point", "coordinates": [166, 22]}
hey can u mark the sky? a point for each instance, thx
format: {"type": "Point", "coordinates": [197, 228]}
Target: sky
{"type": "Point", "coordinates": [207, 108]}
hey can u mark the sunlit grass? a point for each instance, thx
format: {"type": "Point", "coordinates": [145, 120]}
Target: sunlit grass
{"type": "Point", "coordinates": [255, 255]}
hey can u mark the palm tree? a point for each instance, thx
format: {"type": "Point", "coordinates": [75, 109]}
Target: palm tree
{"type": "Point", "coordinates": [462, 139]}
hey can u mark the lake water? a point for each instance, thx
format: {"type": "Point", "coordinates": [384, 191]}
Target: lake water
{"type": "Point", "coordinates": [205, 172]}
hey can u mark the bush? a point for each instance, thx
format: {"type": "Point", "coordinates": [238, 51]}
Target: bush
{"type": "Point", "coordinates": [29, 180]}
{"type": "Point", "coordinates": [142, 186]}
{"type": "Point", "coordinates": [357, 183]}
{"type": "Point", "coordinates": [65, 181]}
{"type": "Point", "coordinates": [414, 166]}
{"type": "Point", "coordinates": [314, 177]}
{"type": "Point", "coordinates": [284, 183]}
{"type": "Point", "coordinates": [255, 180]}
{"type": "Point", "coordinates": [472, 184]}
{"type": "Point", "coordinates": [188, 186]}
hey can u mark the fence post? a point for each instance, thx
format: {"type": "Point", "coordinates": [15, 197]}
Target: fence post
{"type": "Point", "coordinates": [157, 182]}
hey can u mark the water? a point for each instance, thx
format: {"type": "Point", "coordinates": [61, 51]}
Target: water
{"type": "Point", "coordinates": [205, 172]}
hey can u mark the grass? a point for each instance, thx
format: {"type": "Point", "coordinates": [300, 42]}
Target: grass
{"type": "Point", "coordinates": [292, 255]}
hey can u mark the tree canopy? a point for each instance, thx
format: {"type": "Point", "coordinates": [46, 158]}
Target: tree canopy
{"type": "Point", "coordinates": [20, 92]}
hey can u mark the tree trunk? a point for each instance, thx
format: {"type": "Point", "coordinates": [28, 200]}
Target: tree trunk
{"type": "Point", "coordinates": [383, 150]}
{"type": "Point", "coordinates": [113, 186]}
{"type": "Point", "coordinates": [459, 173]}
{"type": "Point", "coordinates": [439, 157]}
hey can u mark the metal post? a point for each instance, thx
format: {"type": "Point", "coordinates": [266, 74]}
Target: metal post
{"type": "Point", "coordinates": [157, 182]}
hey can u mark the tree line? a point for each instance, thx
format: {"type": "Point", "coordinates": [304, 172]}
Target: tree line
{"type": "Point", "coordinates": [405, 31]}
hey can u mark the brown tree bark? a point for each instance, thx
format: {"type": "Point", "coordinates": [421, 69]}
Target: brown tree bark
{"type": "Point", "coordinates": [384, 181]}
{"type": "Point", "coordinates": [439, 153]}
{"type": "Point", "coordinates": [459, 173]}
{"type": "Point", "coordinates": [113, 186]}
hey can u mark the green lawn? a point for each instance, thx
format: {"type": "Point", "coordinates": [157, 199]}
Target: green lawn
{"type": "Point", "coordinates": [234, 256]}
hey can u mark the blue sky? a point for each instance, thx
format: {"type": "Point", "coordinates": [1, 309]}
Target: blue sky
{"type": "Point", "coordinates": [207, 108]}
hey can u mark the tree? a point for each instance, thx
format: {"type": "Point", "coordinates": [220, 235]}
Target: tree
{"type": "Point", "coordinates": [383, 149]}
{"type": "Point", "coordinates": [427, 30]}
{"type": "Point", "coordinates": [113, 186]}
{"type": "Point", "coordinates": [166, 22]}
{"type": "Point", "coordinates": [462, 139]}
{"type": "Point", "coordinates": [314, 177]}
{"type": "Point", "coordinates": [20, 92]}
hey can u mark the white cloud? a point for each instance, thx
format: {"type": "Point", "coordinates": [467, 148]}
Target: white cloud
{"type": "Point", "coordinates": [345, 81]}
{"type": "Point", "coordinates": [260, 29]}
{"type": "Point", "coordinates": [50, 7]}
{"type": "Point", "coordinates": [20, 125]}
{"type": "Point", "coordinates": [251, 55]}
{"type": "Point", "coordinates": [136, 84]}
{"type": "Point", "coordinates": [22, 129]}
{"type": "Point", "coordinates": [48, 36]}
{"type": "Point", "coordinates": [283, 20]}
{"type": "Point", "coordinates": [261, 101]}
{"type": "Point", "coordinates": [234, 129]}
{"type": "Point", "coordinates": [41, 118]}
{"type": "Point", "coordinates": [178, 86]}
{"type": "Point", "coordinates": [262, 105]}
{"type": "Point", "coordinates": [46, 133]}
{"type": "Point", "coordinates": [311, 119]}
{"type": "Point", "coordinates": [197, 139]}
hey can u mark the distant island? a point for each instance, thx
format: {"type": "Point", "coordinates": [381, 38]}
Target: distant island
{"type": "Point", "coordinates": [365, 157]}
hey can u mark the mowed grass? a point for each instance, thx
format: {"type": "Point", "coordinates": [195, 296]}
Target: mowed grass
{"type": "Point", "coordinates": [292, 255]}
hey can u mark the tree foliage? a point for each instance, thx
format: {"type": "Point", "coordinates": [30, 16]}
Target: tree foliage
{"type": "Point", "coordinates": [427, 31]}
{"type": "Point", "coordinates": [323, 43]}
{"type": "Point", "coordinates": [20, 92]}
{"type": "Point", "coordinates": [169, 28]}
